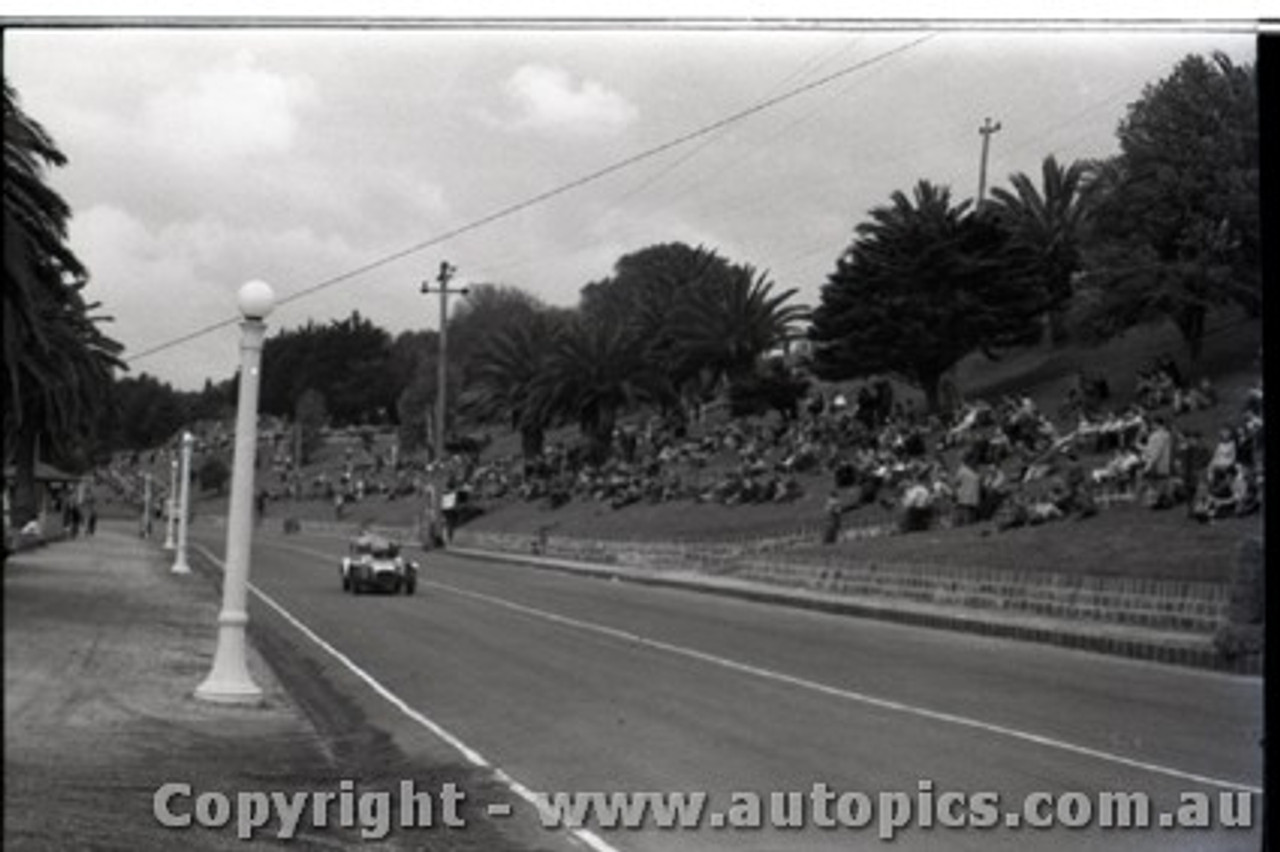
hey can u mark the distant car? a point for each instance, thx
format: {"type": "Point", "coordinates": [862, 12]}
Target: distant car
{"type": "Point", "coordinates": [375, 564]}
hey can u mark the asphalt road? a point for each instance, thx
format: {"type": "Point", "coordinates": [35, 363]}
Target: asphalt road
{"type": "Point", "coordinates": [579, 684]}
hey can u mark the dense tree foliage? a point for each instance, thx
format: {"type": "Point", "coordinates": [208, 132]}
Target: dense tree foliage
{"type": "Point", "coordinates": [145, 411]}
{"type": "Point", "coordinates": [1177, 211]}
{"type": "Point", "coordinates": [348, 361]}
{"type": "Point", "coordinates": [646, 293]}
{"type": "Point", "coordinates": [924, 284]}
{"type": "Point", "coordinates": [213, 474]}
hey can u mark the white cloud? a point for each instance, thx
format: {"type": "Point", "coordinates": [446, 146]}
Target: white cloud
{"type": "Point", "coordinates": [227, 113]}
{"type": "Point", "coordinates": [163, 282]}
{"type": "Point", "coordinates": [549, 99]}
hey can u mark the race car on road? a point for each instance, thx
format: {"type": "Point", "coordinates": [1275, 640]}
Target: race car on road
{"type": "Point", "coordinates": [375, 564]}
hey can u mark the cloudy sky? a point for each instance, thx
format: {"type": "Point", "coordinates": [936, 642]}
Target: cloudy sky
{"type": "Point", "coordinates": [201, 158]}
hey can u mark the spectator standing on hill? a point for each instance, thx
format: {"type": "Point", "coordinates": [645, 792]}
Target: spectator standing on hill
{"type": "Point", "coordinates": [91, 519]}
{"type": "Point", "coordinates": [968, 493]}
{"type": "Point", "coordinates": [1193, 461]}
{"type": "Point", "coordinates": [834, 509]}
{"type": "Point", "coordinates": [1157, 452]}
{"type": "Point", "coordinates": [1157, 465]}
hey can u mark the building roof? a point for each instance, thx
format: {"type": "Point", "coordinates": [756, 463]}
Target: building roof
{"type": "Point", "coordinates": [44, 473]}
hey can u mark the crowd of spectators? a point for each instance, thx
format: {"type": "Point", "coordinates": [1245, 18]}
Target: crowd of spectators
{"type": "Point", "coordinates": [1002, 462]}
{"type": "Point", "coordinates": [1006, 463]}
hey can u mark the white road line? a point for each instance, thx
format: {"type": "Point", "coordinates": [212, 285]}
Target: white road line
{"type": "Point", "coordinates": [837, 692]}
{"type": "Point", "coordinates": [584, 836]}
{"type": "Point", "coordinates": [850, 695]}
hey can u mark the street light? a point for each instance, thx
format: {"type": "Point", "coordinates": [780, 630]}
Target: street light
{"type": "Point", "coordinates": [229, 681]}
{"type": "Point", "coordinates": [180, 565]}
{"type": "Point", "coordinates": [171, 505]}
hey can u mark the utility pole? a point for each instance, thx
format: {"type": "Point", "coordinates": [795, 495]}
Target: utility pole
{"type": "Point", "coordinates": [986, 130]}
{"type": "Point", "coordinates": [446, 273]}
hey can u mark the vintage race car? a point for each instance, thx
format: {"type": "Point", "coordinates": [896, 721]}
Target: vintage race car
{"type": "Point", "coordinates": [375, 564]}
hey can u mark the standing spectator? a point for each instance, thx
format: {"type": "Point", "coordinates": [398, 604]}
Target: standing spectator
{"type": "Point", "coordinates": [834, 509]}
{"type": "Point", "coordinates": [1157, 452]}
{"type": "Point", "coordinates": [91, 519]}
{"type": "Point", "coordinates": [1157, 465]}
{"type": "Point", "coordinates": [968, 492]}
{"type": "Point", "coordinates": [1193, 461]}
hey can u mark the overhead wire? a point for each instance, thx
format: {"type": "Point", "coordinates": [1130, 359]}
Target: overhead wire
{"type": "Point", "coordinates": [809, 67]}
{"type": "Point", "coordinates": [810, 248]}
{"type": "Point", "coordinates": [561, 189]}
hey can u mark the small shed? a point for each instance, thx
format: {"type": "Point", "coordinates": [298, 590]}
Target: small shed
{"type": "Point", "coordinates": [52, 487]}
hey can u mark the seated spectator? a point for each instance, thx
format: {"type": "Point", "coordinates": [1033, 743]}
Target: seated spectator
{"type": "Point", "coordinates": [917, 507]}
{"type": "Point", "coordinates": [1223, 461]}
{"type": "Point", "coordinates": [1226, 496]}
{"type": "Point", "coordinates": [1077, 495]}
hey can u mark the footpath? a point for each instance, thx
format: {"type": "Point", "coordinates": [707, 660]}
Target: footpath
{"type": "Point", "coordinates": [103, 648]}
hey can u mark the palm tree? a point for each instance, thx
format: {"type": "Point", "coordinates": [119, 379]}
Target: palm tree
{"type": "Point", "coordinates": [923, 284]}
{"type": "Point", "coordinates": [1047, 225]}
{"type": "Point", "coordinates": [595, 371]}
{"type": "Point", "coordinates": [509, 368]}
{"type": "Point", "coordinates": [725, 324]}
{"type": "Point", "coordinates": [57, 362]}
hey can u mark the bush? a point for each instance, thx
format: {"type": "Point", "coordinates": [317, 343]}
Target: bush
{"type": "Point", "coordinates": [213, 475]}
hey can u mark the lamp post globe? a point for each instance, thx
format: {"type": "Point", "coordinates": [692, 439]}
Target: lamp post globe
{"type": "Point", "coordinates": [229, 680]}
{"type": "Point", "coordinates": [256, 300]}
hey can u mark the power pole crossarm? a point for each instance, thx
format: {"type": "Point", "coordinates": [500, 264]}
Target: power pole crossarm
{"type": "Point", "coordinates": [446, 273]}
{"type": "Point", "coordinates": [987, 128]}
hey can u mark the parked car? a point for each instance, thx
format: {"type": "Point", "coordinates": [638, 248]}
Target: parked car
{"type": "Point", "coordinates": [376, 564]}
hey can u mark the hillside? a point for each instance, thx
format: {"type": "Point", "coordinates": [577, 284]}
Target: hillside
{"type": "Point", "coordinates": [1230, 359]}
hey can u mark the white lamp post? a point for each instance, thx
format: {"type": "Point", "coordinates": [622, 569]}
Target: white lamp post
{"type": "Point", "coordinates": [180, 565]}
{"type": "Point", "coordinates": [171, 505]}
{"type": "Point", "coordinates": [229, 681]}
